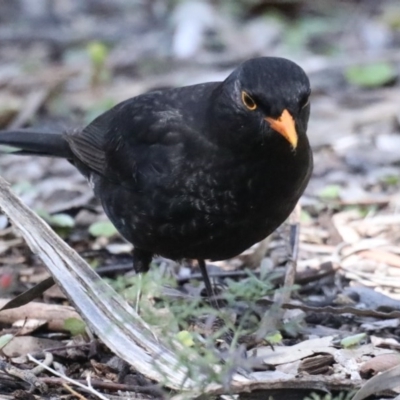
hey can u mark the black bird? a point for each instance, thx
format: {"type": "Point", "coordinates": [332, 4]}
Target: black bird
{"type": "Point", "coordinates": [199, 172]}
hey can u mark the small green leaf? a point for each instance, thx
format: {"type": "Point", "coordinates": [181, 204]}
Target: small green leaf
{"type": "Point", "coordinates": [22, 187]}
{"type": "Point", "coordinates": [5, 339]}
{"type": "Point", "coordinates": [57, 220]}
{"type": "Point", "coordinates": [62, 221]}
{"type": "Point", "coordinates": [185, 338]}
{"type": "Point", "coordinates": [305, 217]}
{"type": "Point", "coordinates": [43, 214]}
{"type": "Point", "coordinates": [94, 263]}
{"type": "Point", "coordinates": [354, 340]}
{"type": "Point", "coordinates": [371, 75]}
{"type": "Point", "coordinates": [391, 180]}
{"type": "Point", "coordinates": [330, 192]}
{"type": "Point", "coordinates": [75, 326]}
{"type": "Point", "coordinates": [102, 228]}
{"type": "Point", "coordinates": [98, 52]}
{"type": "Point", "coordinates": [274, 337]}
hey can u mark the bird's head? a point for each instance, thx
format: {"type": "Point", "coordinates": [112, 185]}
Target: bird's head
{"type": "Point", "coordinates": [269, 97]}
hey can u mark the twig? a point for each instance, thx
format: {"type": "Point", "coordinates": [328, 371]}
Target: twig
{"type": "Point", "coordinates": [88, 388]}
{"type": "Point", "coordinates": [270, 320]}
{"type": "Point", "coordinates": [29, 376]}
{"type": "Point", "coordinates": [29, 295]}
{"type": "Point", "coordinates": [153, 390]}
{"type": "Point", "coordinates": [74, 392]}
{"type": "Point", "coordinates": [334, 310]}
{"type": "Point", "coordinates": [284, 297]}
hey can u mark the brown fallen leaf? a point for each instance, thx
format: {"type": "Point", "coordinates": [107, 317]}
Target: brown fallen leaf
{"type": "Point", "coordinates": [381, 256]}
{"type": "Point", "coordinates": [388, 379]}
{"type": "Point", "coordinates": [22, 345]}
{"type": "Point", "coordinates": [318, 364]}
{"type": "Point", "coordinates": [341, 222]}
{"type": "Point", "coordinates": [55, 315]}
{"type": "Point", "coordinates": [28, 326]}
{"type": "Point", "coordinates": [379, 363]}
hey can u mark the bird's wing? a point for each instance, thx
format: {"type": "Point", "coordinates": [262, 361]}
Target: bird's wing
{"type": "Point", "coordinates": [141, 140]}
{"type": "Point", "coordinates": [129, 143]}
{"type": "Point", "coordinates": [88, 147]}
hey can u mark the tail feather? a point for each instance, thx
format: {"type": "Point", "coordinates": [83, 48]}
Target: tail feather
{"type": "Point", "coordinates": [27, 142]}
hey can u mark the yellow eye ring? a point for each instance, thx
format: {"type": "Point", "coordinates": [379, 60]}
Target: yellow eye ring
{"type": "Point", "coordinates": [248, 101]}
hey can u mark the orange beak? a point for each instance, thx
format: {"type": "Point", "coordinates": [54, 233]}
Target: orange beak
{"type": "Point", "coordinates": [285, 126]}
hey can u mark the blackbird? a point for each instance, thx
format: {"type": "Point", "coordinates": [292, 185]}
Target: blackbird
{"type": "Point", "coordinates": [198, 172]}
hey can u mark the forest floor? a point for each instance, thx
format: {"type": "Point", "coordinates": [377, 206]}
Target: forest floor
{"type": "Point", "coordinates": [60, 69]}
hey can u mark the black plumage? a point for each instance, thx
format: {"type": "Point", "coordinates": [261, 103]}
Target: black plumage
{"type": "Point", "coordinates": [200, 172]}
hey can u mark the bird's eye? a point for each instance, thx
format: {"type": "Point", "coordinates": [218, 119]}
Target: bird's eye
{"type": "Point", "coordinates": [248, 101]}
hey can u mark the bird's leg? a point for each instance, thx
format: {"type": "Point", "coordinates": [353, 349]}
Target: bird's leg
{"type": "Point", "coordinates": [141, 260]}
{"type": "Point", "coordinates": [141, 264]}
{"type": "Point", "coordinates": [274, 315]}
{"type": "Point", "coordinates": [207, 283]}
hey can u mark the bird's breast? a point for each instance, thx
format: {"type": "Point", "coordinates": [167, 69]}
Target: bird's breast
{"type": "Point", "coordinates": [234, 194]}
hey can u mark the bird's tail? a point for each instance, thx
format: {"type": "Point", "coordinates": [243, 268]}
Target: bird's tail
{"type": "Point", "coordinates": [27, 142]}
